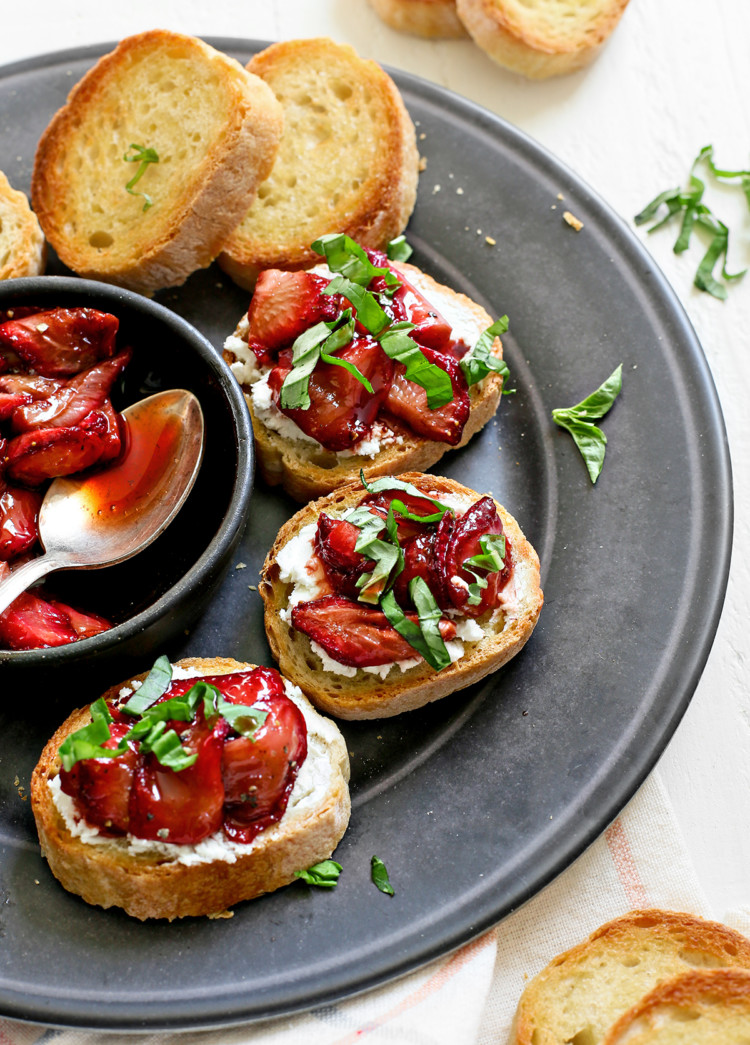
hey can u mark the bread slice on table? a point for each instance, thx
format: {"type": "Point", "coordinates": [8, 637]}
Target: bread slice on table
{"type": "Point", "coordinates": [585, 990]}
{"type": "Point", "coordinates": [367, 694]}
{"type": "Point", "coordinates": [434, 19]}
{"type": "Point", "coordinates": [22, 246]}
{"type": "Point", "coordinates": [703, 1007]}
{"type": "Point", "coordinates": [214, 130]}
{"type": "Point", "coordinates": [307, 470]}
{"type": "Point", "coordinates": [541, 38]}
{"type": "Point", "coordinates": [348, 160]}
{"type": "Point", "coordinates": [151, 880]}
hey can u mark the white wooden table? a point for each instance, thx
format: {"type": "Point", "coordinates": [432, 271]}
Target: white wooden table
{"type": "Point", "coordinates": [674, 77]}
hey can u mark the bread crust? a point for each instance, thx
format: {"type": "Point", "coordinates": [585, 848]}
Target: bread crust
{"type": "Point", "coordinates": [367, 696]}
{"type": "Point", "coordinates": [147, 887]}
{"type": "Point", "coordinates": [307, 473]}
{"type": "Point", "coordinates": [201, 202]}
{"type": "Point", "coordinates": [22, 245]}
{"type": "Point", "coordinates": [703, 1007]}
{"type": "Point", "coordinates": [595, 982]}
{"type": "Point", "coordinates": [433, 19]}
{"type": "Point", "coordinates": [540, 39]}
{"type": "Point", "coordinates": [373, 206]}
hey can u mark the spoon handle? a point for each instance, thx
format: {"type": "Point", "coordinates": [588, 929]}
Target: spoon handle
{"type": "Point", "coordinates": [24, 576]}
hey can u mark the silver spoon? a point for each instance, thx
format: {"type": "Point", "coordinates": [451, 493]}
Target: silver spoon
{"type": "Point", "coordinates": [107, 517]}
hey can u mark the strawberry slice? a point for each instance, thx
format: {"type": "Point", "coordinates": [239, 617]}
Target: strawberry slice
{"type": "Point", "coordinates": [32, 623]}
{"type": "Point", "coordinates": [380, 503]}
{"type": "Point", "coordinates": [182, 806]}
{"type": "Point", "coordinates": [19, 511]}
{"type": "Point", "coordinates": [11, 401]}
{"type": "Point", "coordinates": [341, 410]}
{"type": "Point", "coordinates": [69, 404]}
{"type": "Point", "coordinates": [84, 624]}
{"type": "Point", "coordinates": [101, 786]}
{"type": "Point", "coordinates": [419, 561]}
{"type": "Point", "coordinates": [58, 341]}
{"type": "Point", "coordinates": [463, 543]}
{"type": "Point", "coordinates": [115, 436]}
{"type": "Point", "coordinates": [334, 542]}
{"type": "Point", "coordinates": [356, 635]}
{"type": "Point", "coordinates": [34, 456]}
{"type": "Point", "coordinates": [30, 384]}
{"type": "Point", "coordinates": [285, 304]}
{"type": "Point", "coordinates": [430, 328]}
{"type": "Point", "coordinates": [408, 401]}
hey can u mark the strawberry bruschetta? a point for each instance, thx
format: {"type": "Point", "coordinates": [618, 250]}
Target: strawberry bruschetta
{"type": "Point", "coordinates": [365, 363]}
{"type": "Point", "coordinates": [186, 790]}
{"type": "Point", "coordinates": [386, 595]}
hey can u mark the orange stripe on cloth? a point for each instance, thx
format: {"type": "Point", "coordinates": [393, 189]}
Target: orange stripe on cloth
{"type": "Point", "coordinates": [428, 988]}
{"type": "Point", "coordinates": [627, 872]}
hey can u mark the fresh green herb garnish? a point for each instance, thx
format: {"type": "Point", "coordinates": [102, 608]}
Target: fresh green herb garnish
{"type": "Point", "coordinates": [385, 554]}
{"type": "Point", "coordinates": [325, 874]}
{"type": "Point", "coordinates": [425, 636]}
{"type": "Point", "coordinates": [436, 382]}
{"type": "Point", "coordinates": [398, 249]}
{"type": "Point", "coordinates": [379, 876]}
{"type": "Point", "coordinates": [389, 483]}
{"type": "Point", "coordinates": [481, 361]}
{"type": "Point", "coordinates": [154, 685]}
{"type": "Point", "coordinates": [578, 420]}
{"type": "Point", "coordinates": [696, 214]}
{"type": "Point", "coordinates": [143, 157]}
{"type": "Point", "coordinates": [346, 257]}
{"type": "Point", "coordinates": [150, 730]}
{"type": "Point", "coordinates": [491, 559]}
{"type": "Point", "coordinates": [319, 342]}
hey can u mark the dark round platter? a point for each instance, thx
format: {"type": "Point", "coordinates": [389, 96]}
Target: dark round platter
{"type": "Point", "coordinates": [477, 802]}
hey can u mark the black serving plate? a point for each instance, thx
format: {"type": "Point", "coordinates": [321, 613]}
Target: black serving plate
{"type": "Point", "coordinates": [478, 801]}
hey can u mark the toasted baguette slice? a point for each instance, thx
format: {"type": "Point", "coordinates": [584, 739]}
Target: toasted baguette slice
{"type": "Point", "coordinates": [215, 129]}
{"type": "Point", "coordinates": [541, 38]}
{"type": "Point", "coordinates": [150, 881]}
{"type": "Point", "coordinates": [22, 245]}
{"type": "Point", "coordinates": [434, 19]}
{"type": "Point", "coordinates": [307, 470]}
{"type": "Point", "coordinates": [348, 160]}
{"type": "Point", "coordinates": [362, 694]}
{"type": "Point", "coordinates": [583, 991]}
{"type": "Point", "coordinates": [704, 1007]}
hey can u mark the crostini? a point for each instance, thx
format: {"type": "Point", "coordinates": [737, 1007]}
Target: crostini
{"type": "Point", "coordinates": [186, 790]}
{"type": "Point", "coordinates": [387, 595]}
{"type": "Point", "coordinates": [364, 363]}
{"type": "Point", "coordinates": [23, 251]}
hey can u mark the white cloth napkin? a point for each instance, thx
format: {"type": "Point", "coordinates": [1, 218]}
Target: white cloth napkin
{"type": "Point", "coordinates": [469, 998]}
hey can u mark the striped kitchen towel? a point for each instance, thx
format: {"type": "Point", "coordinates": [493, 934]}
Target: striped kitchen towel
{"type": "Point", "coordinates": [469, 997]}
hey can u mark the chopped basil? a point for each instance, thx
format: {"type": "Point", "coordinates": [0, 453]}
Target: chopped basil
{"type": "Point", "coordinates": [143, 157]}
{"type": "Point", "coordinates": [424, 637]}
{"type": "Point", "coordinates": [346, 257]}
{"type": "Point", "coordinates": [154, 685]}
{"type": "Point", "coordinates": [491, 559]}
{"type": "Point", "coordinates": [481, 361]}
{"type": "Point", "coordinates": [397, 344]}
{"type": "Point", "coordinates": [398, 249]}
{"type": "Point", "coordinates": [695, 213]}
{"type": "Point", "coordinates": [380, 877]}
{"type": "Point", "coordinates": [369, 312]}
{"type": "Point", "coordinates": [87, 741]}
{"type": "Point", "coordinates": [325, 874]}
{"type": "Point", "coordinates": [388, 482]}
{"type": "Point", "coordinates": [578, 420]}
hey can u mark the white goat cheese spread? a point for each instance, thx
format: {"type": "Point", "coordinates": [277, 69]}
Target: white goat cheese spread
{"type": "Point", "coordinates": [313, 780]}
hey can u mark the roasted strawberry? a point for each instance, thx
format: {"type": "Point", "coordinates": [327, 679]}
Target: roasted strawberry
{"type": "Point", "coordinates": [59, 341]}
{"type": "Point", "coordinates": [11, 401]}
{"type": "Point", "coordinates": [32, 623]}
{"type": "Point", "coordinates": [259, 771]}
{"type": "Point", "coordinates": [420, 506]}
{"type": "Point", "coordinates": [464, 543]}
{"type": "Point", "coordinates": [84, 624]}
{"type": "Point", "coordinates": [70, 403]}
{"type": "Point", "coordinates": [102, 785]}
{"type": "Point", "coordinates": [334, 542]}
{"type": "Point", "coordinates": [341, 410]}
{"type": "Point", "coordinates": [182, 806]}
{"type": "Point", "coordinates": [356, 635]}
{"type": "Point", "coordinates": [113, 440]}
{"type": "Point", "coordinates": [419, 561]}
{"type": "Point", "coordinates": [48, 452]}
{"type": "Point", "coordinates": [430, 328]}
{"type": "Point", "coordinates": [19, 512]}
{"type": "Point", "coordinates": [33, 385]}
{"type": "Point", "coordinates": [285, 304]}
{"type": "Point", "coordinates": [408, 401]}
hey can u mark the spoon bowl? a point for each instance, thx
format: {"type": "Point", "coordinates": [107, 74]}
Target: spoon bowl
{"type": "Point", "coordinates": [97, 520]}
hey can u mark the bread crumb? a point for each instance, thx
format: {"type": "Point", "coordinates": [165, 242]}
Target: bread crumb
{"type": "Point", "coordinates": [436, 188]}
{"type": "Point", "coordinates": [252, 587]}
{"type": "Point", "coordinates": [422, 135]}
{"type": "Point", "coordinates": [459, 191]}
{"type": "Point", "coordinates": [572, 220]}
{"type": "Point", "coordinates": [20, 789]}
{"type": "Point", "coordinates": [560, 196]}
{"type": "Point", "coordinates": [221, 914]}
{"type": "Point", "coordinates": [490, 240]}
{"type": "Point", "coordinates": [422, 163]}
{"type": "Point", "coordinates": [241, 566]}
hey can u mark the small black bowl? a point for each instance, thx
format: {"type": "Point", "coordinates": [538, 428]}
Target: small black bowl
{"type": "Point", "coordinates": [157, 595]}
